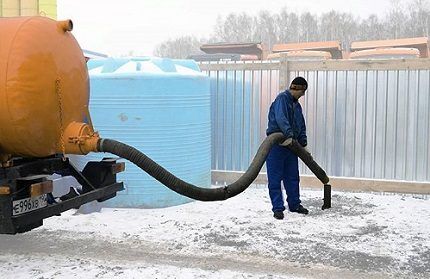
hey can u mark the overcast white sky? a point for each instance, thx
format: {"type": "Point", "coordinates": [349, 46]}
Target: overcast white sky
{"type": "Point", "coordinates": [118, 27]}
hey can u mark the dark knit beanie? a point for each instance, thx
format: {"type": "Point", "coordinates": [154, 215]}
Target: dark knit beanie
{"type": "Point", "coordinates": [299, 83]}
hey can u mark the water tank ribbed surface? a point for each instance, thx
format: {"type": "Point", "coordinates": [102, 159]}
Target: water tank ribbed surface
{"type": "Point", "coordinates": [161, 107]}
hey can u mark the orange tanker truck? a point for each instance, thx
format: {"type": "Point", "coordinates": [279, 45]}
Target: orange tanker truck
{"type": "Point", "coordinates": [44, 97]}
{"type": "Point", "coordinates": [44, 93]}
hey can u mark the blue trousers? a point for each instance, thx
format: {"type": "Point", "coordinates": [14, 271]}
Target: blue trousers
{"type": "Point", "coordinates": [283, 165]}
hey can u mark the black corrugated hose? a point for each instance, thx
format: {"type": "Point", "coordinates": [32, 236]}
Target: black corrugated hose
{"type": "Point", "coordinates": [209, 194]}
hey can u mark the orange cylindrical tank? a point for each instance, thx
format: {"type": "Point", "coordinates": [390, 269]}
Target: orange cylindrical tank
{"type": "Point", "coordinates": [44, 89]}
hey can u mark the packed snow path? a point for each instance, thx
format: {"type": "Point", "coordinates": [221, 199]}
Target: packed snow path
{"type": "Point", "coordinates": [363, 236]}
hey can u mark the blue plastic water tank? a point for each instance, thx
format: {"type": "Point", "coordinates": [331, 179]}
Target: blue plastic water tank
{"type": "Point", "coordinates": [162, 108]}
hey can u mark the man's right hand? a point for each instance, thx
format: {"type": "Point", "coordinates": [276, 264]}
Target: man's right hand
{"type": "Point", "coordinates": [287, 142]}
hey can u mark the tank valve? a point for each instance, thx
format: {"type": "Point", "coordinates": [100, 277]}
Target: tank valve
{"type": "Point", "coordinates": [80, 138]}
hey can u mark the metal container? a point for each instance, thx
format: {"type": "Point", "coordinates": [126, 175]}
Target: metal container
{"type": "Point", "coordinates": [44, 88]}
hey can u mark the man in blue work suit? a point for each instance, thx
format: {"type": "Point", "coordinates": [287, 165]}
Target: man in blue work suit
{"type": "Point", "coordinates": [285, 115]}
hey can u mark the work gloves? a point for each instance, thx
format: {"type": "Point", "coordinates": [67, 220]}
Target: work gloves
{"type": "Point", "coordinates": [306, 148]}
{"type": "Point", "coordinates": [287, 142]}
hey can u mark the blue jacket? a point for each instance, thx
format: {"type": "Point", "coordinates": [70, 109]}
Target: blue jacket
{"type": "Point", "coordinates": [285, 115]}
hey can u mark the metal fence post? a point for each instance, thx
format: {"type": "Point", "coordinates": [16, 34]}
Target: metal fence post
{"type": "Point", "coordinates": [284, 74]}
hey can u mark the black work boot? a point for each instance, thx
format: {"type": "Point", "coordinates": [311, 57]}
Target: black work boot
{"type": "Point", "coordinates": [301, 210]}
{"type": "Point", "coordinates": [278, 215]}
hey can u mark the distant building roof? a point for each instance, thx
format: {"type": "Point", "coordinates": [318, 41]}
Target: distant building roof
{"type": "Point", "coordinates": [391, 52]}
{"type": "Point", "coordinates": [331, 46]}
{"type": "Point", "coordinates": [420, 43]}
{"type": "Point", "coordinates": [234, 48]}
{"type": "Point", "coordinates": [301, 55]}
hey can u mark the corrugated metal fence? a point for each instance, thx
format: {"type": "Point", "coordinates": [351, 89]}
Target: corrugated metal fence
{"type": "Point", "coordinates": [367, 119]}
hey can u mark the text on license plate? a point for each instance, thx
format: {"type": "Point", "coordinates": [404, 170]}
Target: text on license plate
{"type": "Point", "coordinates": [29, 204]}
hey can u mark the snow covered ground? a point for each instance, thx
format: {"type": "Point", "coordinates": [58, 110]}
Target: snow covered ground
{"type": "Point", "coordinates": [364, 235]}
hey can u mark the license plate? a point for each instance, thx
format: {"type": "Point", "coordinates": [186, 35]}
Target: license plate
{"type": "Point", "coordinates": [29, 204]}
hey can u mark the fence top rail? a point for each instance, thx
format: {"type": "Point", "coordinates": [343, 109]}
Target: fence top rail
{"type": "Point", "coordinates": [240, 66]}
{"type": "Point", "coordinates": [325, 65]}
